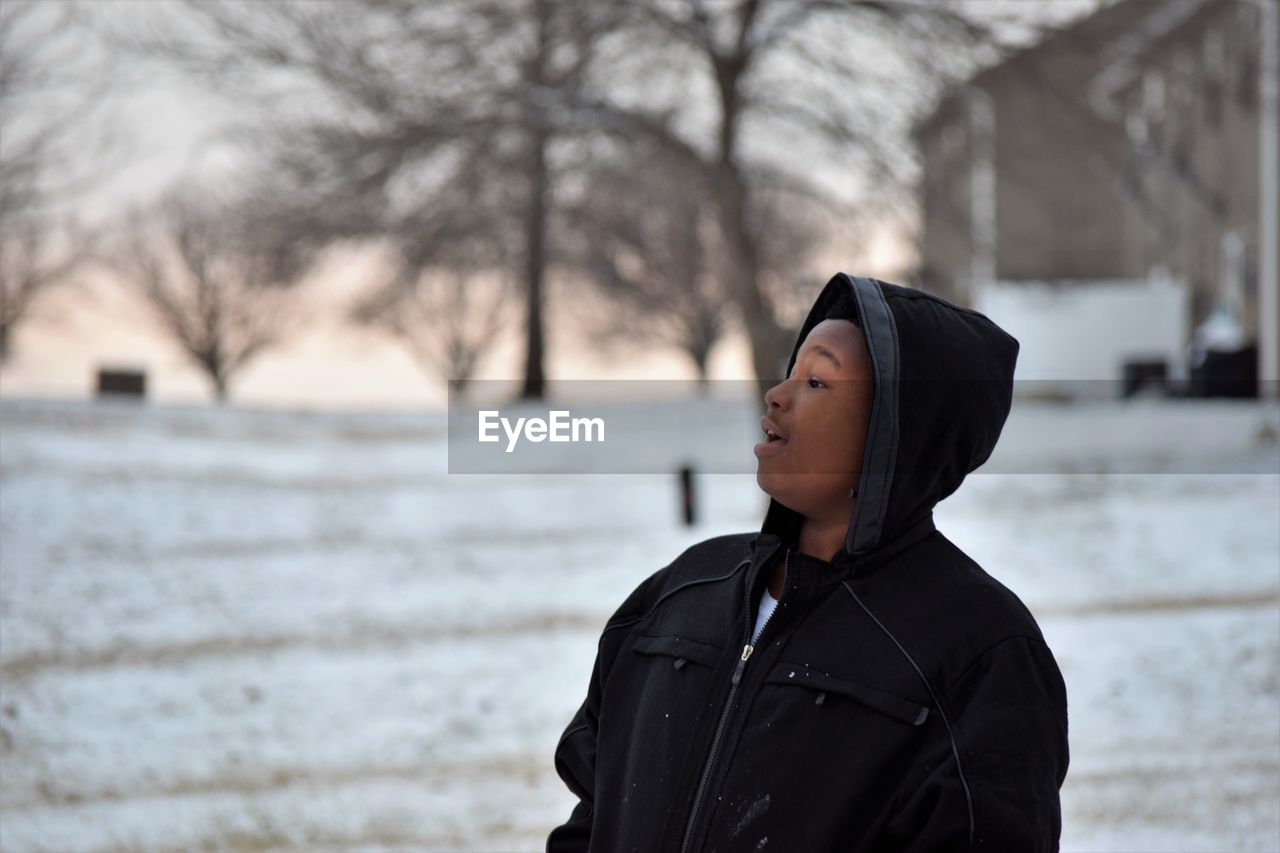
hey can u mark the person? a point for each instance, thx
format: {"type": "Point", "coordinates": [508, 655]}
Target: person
{"type": "Point", "coordinates": [847, 678]}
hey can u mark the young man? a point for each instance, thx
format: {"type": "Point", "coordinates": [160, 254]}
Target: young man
{"type": "Point", "coordinates": [847, 678]}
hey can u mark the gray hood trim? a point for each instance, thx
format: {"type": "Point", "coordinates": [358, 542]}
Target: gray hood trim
{"type": "Point", "coordinates": [881, 451]}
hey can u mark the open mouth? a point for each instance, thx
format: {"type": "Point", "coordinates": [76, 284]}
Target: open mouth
{"type": "Point", "coordinates": [774, 441]}
{"type": "Point", "coordinates": [771, 434]}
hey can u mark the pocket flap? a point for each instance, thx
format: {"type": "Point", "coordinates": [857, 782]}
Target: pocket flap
{"type": "Point", "coordinates": [679, 647]}
{"type": "Point", "coordinates": [796, 675]}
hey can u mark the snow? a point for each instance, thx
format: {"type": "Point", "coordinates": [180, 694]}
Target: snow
{"type": "Point", "coordinates": [239, 629]}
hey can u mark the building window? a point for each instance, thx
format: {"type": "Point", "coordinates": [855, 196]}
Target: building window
{"type": "Point", "coordinates": [1135, 126]}
{"type": "Point", "coordinates": [1246, 22]}
{"type": "Point", "coordinates": [1213, 80]}
{"type": "Point", "coordinates": [1182, 153]}
{"type": "Point", "coordinates": [1153, 95]}
{"type": "Point", "coordinates": [1213, 104]}
{"type": "Point", "coordinates": [952, 142]}
{"type": "Point", "coordinates": [1247, 47]}
{"type": "Point", "coordinates": [1247, 83]}
{"type": "Point", "coordinates": [1182, 81]}
{"type": "Point", "coordinates": [1215, 55]}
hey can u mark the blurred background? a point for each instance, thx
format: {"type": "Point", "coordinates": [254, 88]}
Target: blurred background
{"type": "Point", "coordinates": [250, 252]}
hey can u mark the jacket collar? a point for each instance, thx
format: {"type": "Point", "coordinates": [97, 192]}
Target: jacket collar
{"type": "Point", "coordinates": [810, 577]}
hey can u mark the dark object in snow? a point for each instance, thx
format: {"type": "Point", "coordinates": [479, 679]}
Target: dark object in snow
{"type": "Point", "coordinates": [1142, 376]}
{"type": "Point", "coordinates": [687, 497]}
{"type": "Point", "coordinates": [122, 382]}
{"type": "Point", "coordinates": [1227, 374]}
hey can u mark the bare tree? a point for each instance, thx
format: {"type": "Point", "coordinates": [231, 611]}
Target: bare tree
{"type": "Point", "coordinates": [447, 307]}
{"type": "Point", "coordinates": [400, 101]}
{"type": "Point", "coordinates": [32, 260]}
{"type": "Point", "coordinates": [650, 247]}
{"type": "Point", "coordinates": [794, 224]}
{"type": "Point", "coordinates": [52, 150]}
{"type": "Point", "coordinates": [394, 104]}
{"type": "Point", "coordinates": [647, 234]}
{"type": "Point", "coordinates": [447, 267]}
{"type": "Point", "coordinates": [791, 86]}
{"type": "Point", "coordinates": [216, 278]}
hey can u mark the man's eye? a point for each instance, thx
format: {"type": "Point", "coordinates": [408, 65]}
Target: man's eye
{"type": "Point", "coordinates": [816, 383]}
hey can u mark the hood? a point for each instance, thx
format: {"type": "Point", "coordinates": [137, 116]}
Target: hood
{"type": "Point", "coordinates": [943, 388]}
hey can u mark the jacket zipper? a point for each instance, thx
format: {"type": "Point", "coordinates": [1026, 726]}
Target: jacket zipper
{"type": "Point", "coordinates": [747, 649]}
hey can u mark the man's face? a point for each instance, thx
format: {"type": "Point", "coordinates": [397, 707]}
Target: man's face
{"type": "Point", "coordinates": [821, 411]}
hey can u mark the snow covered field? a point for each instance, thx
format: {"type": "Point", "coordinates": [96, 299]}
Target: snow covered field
{"type": "Point", "coordinates": [251, 630]}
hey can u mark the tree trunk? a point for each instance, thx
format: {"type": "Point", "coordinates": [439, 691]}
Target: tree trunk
{"type": "Point", "coordinates": [534, 387]}
{"type": "Point", "coordinates": [701, 360]}
{"type": "Point", "coordinates": [767, 339]}
{"type": "Point", "coordinates": [217, 368]}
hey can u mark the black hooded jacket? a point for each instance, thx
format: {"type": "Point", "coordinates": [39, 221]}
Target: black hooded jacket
{"type": "Point", "coordinates": [899, 697]}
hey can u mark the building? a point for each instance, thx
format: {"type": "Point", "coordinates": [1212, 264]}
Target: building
{"type": "Point", "coordinates": [1186, 88]}
{"type": "Point", "coordinates": [1021, 177]}
{"type": "Point", "coordinates": [1125, 147]}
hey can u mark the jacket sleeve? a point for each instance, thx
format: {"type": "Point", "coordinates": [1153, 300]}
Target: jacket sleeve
{"type": "Point", "coordinates": [575, 756]}
{"type": "Point", "coordinates": [1008, 716]}
{"type": "Point", "coordinates": [575, 760]}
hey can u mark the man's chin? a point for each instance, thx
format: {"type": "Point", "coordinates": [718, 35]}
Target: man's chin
{"type": "Point", "coordinates": [775, 484]}
{"type": "Point", "coordinates": [795, 490]}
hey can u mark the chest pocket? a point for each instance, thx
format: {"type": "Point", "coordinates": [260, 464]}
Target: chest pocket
{"type": "Point", "coordinates": [664, 692]}
{"type": "Point", "coordinates": [679, 650]}
{"type": "Point", "coordinates": [824, 687]}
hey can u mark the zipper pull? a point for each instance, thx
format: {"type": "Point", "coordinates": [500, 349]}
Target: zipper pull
{"type": "Point", "coordinates": [742, 662]}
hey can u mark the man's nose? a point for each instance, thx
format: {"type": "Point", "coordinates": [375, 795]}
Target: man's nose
{"type": "Point", "coordinates": [775, 396]}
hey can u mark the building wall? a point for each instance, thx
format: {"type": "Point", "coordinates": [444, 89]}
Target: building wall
{"type": "Point", "coordinates": [1057, 168]}
{"type": "Point", "coordinates": [1158, 185]}
{"type": "Point", "coordinates": [947, 249]}
{"type": "Point", "coordinates": [1192, 172]}
{"type": "Point", "coordinates": [1059, 204]}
